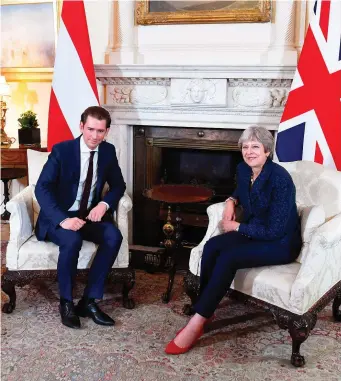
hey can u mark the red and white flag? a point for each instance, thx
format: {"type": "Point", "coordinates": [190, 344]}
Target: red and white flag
{"type": "Point", "coordinates": [310, 127]}
{"type": "Point", "coordinates": [74, 82]}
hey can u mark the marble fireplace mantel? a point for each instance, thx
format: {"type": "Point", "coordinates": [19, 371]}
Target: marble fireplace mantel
{"type": "Point", "coordinates": [227, 97]}
{"type": "Point", "coordinates": [195, 96]}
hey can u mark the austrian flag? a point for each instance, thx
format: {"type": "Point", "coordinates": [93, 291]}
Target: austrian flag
{"type": "Point", "coordinates": [74, 82]}
{"type": "Point", "coordinates": [310, 127]}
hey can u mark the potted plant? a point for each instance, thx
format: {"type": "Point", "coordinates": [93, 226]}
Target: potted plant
{"type": "Point", "coordinates": [29, 133]}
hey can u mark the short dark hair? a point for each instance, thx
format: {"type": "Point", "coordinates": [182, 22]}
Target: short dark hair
{"type": "Point", "coordinates": [97, 112]}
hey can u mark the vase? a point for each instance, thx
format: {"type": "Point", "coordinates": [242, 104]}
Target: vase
{"type": "Point", "coordinates": [29, 136]}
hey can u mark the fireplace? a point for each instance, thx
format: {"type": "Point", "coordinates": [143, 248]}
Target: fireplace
{"type": "Point", "coordinates": [207, 157]}
{"type": "Point", "coordinates": [146, 100]}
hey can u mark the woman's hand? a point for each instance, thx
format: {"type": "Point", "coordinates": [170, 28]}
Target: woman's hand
{"type": "Point", "coordinates": [228, 226]}
{"type": "Point", "coordinates": [229, 211]}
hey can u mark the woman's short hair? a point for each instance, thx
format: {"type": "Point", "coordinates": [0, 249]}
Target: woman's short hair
{"type": "Point", "coordinates": [260, 134]}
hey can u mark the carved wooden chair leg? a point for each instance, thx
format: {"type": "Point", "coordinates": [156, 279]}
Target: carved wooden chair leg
{"type": "Point", "coordinates": [192, 292]}
{"type": "Point", "coordinates": [126, 301]}
{"type": "Point", "coordinates": [336, 305]}
{"type": "Point", "coordinates": [188, 308]}
{"type": "Point", "coordinates": [126, 278]}
{"type": "Point", "coordinates": [8, 287]}
{"type": "Point", "coordinates": [299, 329]}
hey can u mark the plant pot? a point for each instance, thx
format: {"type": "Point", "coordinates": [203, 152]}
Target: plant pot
{"type": "Point", "coordinates": [29, 136]}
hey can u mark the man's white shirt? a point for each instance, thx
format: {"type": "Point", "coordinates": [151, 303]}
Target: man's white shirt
{"type": "Point", "coordinates": [84, 165]}
{"type": "Point", "coordinates": [85, 159]}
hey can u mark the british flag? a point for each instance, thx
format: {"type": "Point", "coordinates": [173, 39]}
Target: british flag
{"type": "Point", "coordinates": [310, 128]}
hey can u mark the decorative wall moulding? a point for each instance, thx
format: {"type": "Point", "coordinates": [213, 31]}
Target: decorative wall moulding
{"type": "Point", "coordinates": [194, 71]}
{"type": "Point", "coordinates": [139, 94]}
{"type": "Point", "coordinates": [134, 81]}
{"type": "Point", "coordinates": [258, 97]}
{"type": "Point", "coordinates": [259, 93]}
{"type": "Point", "coordinates": [259, 82]}
{"type": "Point", "coordinates": [205, 113]}
{"type": "Point", "coordinates": [27, 74]}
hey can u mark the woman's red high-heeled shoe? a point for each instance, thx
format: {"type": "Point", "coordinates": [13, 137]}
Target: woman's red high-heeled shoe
{"type": "Point", "coordinates": [173, 349]}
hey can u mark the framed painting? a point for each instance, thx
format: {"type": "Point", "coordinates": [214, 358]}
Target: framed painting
{"type": "Point", "coordinates": [28, 39]}
{"type": "Point", "coordinates": [149, 12]}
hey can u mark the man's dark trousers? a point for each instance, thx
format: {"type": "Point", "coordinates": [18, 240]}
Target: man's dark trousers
{"type": "Point", "coordinates": [70, 242]}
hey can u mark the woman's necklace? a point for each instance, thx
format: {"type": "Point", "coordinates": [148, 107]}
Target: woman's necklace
{"type": "Point", "coordinates": [253, 178]}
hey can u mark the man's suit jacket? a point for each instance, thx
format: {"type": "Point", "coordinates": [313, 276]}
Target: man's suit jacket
{"type": "Point", "coordinates": [269, 206]}
{"type": "Point", "coordinates": [57, 185]}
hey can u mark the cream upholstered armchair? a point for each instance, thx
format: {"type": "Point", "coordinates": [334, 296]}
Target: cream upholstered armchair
{"type": "Point", "coordinates": [27, 258]}
{"type": "Point", "coordinates": [296, 292]}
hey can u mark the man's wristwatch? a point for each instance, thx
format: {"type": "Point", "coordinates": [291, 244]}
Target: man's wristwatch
{"type": "Point", "coordinates": [237, 228]}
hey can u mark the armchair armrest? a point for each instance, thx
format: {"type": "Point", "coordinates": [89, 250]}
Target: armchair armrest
{"type": "Point", "coordinates": [121, 219]}
{"type": "Point", "coordinates": [215, 214]}
{"type": "Point", "coordinates": [124, 206]}
{"type": "Point", "coordinates": [21, 223]}
{"type": "Point", "coordinates": [321, 269]}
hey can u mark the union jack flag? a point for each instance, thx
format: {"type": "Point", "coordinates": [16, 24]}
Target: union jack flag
{"type": "Point", "coordinates": [310, 128]}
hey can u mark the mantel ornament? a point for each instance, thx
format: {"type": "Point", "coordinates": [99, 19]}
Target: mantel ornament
{"type": "Point", "coordinates": [144, 95]}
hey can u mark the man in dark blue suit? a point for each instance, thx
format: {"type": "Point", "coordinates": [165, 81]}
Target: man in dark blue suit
{"type": "Point", "coordinates": [69, 193]}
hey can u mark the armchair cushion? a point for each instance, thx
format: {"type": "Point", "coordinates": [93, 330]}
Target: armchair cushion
{"type": "Point", "coordinates": [37, 161]}
{"type": "Point", "coordinates": [38, 255]}
{"type": "Point", "coordinates": [271, 284]}
{"type": "Point", "coordinates": [316, 185]}
{"type": "Point", "coordinates": [25, 252]}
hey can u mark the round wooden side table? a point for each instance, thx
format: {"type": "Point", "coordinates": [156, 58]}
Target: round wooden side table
{"type": "Point", "coordinates": [175, 194]}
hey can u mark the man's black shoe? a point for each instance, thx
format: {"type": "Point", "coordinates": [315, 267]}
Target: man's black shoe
{"type": "Point", "coordinates": [68, 315]}
{"type": "Point", "coordinates": [89, 308]}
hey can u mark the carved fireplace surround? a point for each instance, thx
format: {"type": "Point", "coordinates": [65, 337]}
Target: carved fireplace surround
{"type": "Point", "coordinates": [213, 97]}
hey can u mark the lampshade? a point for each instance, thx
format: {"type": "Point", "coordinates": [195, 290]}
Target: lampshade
{"type": "Point", "coordinates": [4, 87]}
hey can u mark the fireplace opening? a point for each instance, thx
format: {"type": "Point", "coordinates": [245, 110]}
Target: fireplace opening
{"type": "Point", "coordinates": [214, 169]}
{"type": "Point", "coordinates": [206, 157]}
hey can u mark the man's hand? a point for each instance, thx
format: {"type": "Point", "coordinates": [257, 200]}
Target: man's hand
{"type": "Point", "coordinates": [73, 224]}
{"type": "Point", "coordinates": [97, 212]}
{"type": "Point", "coordinates": [229, 211]}
{"type": "Point", "coordinates": [228, 226]}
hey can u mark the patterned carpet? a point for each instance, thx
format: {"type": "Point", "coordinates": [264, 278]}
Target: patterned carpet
{"type": "Point", "coordinates": [242, 344]}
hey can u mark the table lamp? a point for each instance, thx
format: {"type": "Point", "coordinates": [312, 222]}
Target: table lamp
{"type": "Point", "coordinates": [4, 92]}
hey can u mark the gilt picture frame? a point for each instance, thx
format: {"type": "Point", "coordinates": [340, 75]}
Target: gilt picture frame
{"type": "Point", "coordinates": [158, 12]}
{"type": "Point", "coordinates": [28, 39]}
